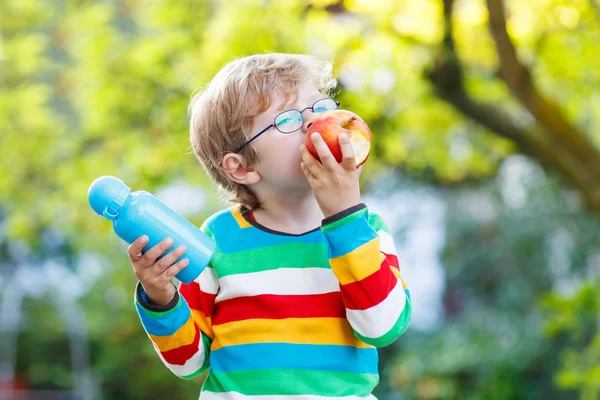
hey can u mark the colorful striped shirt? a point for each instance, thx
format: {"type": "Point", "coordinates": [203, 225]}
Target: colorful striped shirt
{"type": "Point", "coordinates": [285, 315]}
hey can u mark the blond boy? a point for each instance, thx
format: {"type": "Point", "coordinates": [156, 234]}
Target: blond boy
{"type": "Point", "coordinates": [304, 284]}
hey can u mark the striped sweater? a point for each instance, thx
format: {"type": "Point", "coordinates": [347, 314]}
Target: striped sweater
{"type": "Point", "coordinates": [288, 316]}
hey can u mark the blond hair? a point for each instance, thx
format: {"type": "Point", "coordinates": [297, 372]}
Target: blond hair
{"type": "Point", "coordinates": [222, 115]}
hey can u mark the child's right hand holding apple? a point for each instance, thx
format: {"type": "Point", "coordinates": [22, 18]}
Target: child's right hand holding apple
{"type": "Point", "coordinates": [331, 124]}
{"type": "Point", "coordinates": [335, 185]}
{"type": "Point", "coordinates": [156, 275]}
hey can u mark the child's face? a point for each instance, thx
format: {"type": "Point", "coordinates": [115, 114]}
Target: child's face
{"type": "Point", "coordinates": [280, 153]}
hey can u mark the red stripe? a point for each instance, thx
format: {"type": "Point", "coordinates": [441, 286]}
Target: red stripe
{"type": "Point", "coordinates": [370, 291]}
{"type": "Point", "coordinates": [197, 299]}
{"type": "Point", "coordinates": [271, 306]}
{"type": "Point", "coordinates": [392, 259]}
{"type": "Point", "coordinates": [181, 354]}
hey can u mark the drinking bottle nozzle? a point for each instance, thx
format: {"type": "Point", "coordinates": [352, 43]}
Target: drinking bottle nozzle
{"type": "Point", "coordinates": [107, 195]}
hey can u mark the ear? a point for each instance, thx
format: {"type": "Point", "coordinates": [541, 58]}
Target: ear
{"type": "Point", "coordinates": [237, 170]}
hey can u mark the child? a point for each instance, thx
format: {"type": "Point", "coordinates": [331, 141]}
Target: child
{"type": "Point", "coordinates": [304, 284]}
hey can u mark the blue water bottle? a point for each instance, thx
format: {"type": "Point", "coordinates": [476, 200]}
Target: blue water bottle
{"type": "Point", "coordinates": [140, 213]}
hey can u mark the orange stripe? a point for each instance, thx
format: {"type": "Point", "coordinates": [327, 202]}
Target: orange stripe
{"type": "Point", "coordinates": [203, 322]}
{"type": "Point", "coordinates": [336, 331]}
{"type": "Point", "coordinates": [364, 294]}
{"type": "Point", "coordinates": [180, 355]}
{"type": "Point", "coordinates": [237, 215]}
{"type": "Point", "coordinates": [396, 272]}
{"type": "Point", "coordinates": [359, 263]}
{"type": "Point", "coordinates": [182, 337]}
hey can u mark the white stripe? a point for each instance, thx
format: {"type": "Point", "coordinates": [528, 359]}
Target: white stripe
{"type": "Point", "coordinates": [208, 281]}
{"type": "Point", "coordinates": [239, 396]}
{"type": "Point", "coordinates": [279, 281]}
{"type": "Point", "coordinates": [386, 243]}
{"type": "Point", "coordinates": [192, 365]}
{"type": "Point", "coordinates": [378, 320]}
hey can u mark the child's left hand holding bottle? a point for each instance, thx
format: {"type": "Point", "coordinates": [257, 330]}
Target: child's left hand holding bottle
{"type": "Point", "coordinates": [156, 275]}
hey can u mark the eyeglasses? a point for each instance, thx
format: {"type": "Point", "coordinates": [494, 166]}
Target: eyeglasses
{"type": "Point", "coordinates": [290, 121]}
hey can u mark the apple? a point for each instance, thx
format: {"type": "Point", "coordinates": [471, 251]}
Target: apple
{"type": "Point", "coordinates": [331, 124]}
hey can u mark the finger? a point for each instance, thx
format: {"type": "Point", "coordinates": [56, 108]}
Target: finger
{"type": "Point", "coordinates": [323, 150]}
{"type": "Point", "coordinates": [348, 157]}
{"type": "Point", "coordinates": [135, 249]}
{"type": "Point", "coordinates": [307, 173]}
{"type": "Point", "coordinates": [161, 265]}
{"type": "Point", "coordinates": [149, 258]}
{"type": "Point", "coordinates": [310, 162]}
{"type": "Point", "coordinates": [174, 269]}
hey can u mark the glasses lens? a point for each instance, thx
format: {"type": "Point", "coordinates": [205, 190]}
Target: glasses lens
{"type": "Point", "coordinates": [324, 105]}
{"type": "Point", "coordinates": [288, 121]}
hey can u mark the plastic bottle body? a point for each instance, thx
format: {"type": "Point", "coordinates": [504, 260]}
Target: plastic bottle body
{"type": "Point", "coordinates": [144, 214]}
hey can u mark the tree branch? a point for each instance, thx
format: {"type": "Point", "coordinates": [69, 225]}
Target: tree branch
{"type": "Point", "coordinates": [518, 79]}
{"type": "Point", "coordinates": [567, 150]}
{"type": "Point", "coordinates": [554, 142]}
{"type": "Point", "coordinates": [572, 148]}
{"type": "Point", "coordinates": [447, 78]}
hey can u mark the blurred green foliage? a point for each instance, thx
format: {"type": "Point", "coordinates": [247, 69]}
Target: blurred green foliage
{"type": "Point", "coordinates": [90, 88]}
{"type": "Point", "coordinates": [521, 300]}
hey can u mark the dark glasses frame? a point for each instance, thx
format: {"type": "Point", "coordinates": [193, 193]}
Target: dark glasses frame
{"type": "Point", "coordinates": [247, 142]}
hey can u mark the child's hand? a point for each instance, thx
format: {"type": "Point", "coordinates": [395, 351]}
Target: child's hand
{"type": "Point", "coordinates": [155, 276]}
{"type": "Point", "coordinates": [334, 184]}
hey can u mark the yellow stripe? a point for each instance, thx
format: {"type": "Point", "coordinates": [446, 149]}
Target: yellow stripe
{"type": "Point", "coordinates": [359, 263]}
{"type": "Point", "coordinates": [237, 214]}
{"type": "Point", "coordinates": [203, 322]}
{"type": "Point", "coordinates": [289, 330]}
{"type": "Point", "coordinates": [182, 337]}
{"type": "Point", "coordinates": [397, 273]}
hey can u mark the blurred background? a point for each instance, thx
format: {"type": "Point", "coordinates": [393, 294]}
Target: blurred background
{"type": "Point", "coordinates": [486, 165]}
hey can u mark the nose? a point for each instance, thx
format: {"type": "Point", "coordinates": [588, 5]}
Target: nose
{"type": "Point", "coordinates": [309, 116]}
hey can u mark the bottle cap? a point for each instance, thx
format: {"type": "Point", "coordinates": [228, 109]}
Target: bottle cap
{"type": "Point", "coordinates": [107, 195]}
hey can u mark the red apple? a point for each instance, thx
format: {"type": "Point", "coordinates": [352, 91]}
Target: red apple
{"type": "Point", "coordinates": [331, 124]}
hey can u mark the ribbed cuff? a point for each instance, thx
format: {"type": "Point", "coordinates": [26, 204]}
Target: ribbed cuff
{"type": "Point", "coordinates": [142, 298]}
{"type": "Point", "coordinates": [343, 214]}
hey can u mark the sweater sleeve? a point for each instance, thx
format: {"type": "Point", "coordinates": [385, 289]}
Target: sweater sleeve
{"type": "Point", "coordinates": [363, 258]}
{"type": "Point", "coordinates": [181, 331]}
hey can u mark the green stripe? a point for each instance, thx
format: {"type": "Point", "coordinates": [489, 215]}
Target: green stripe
{"type": "Point", "coordinates": [345, 220]}
{"type": "Point", "coordinates": [291, 382]}
{"type": "Point", "coordinates": [286, 255]}
{"type": "Point", "coordinates": [161, 314]}
{"type": "Point", "coordinates": [378, 224]}
{"type": "Point", "coordinates": [397, 330]}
